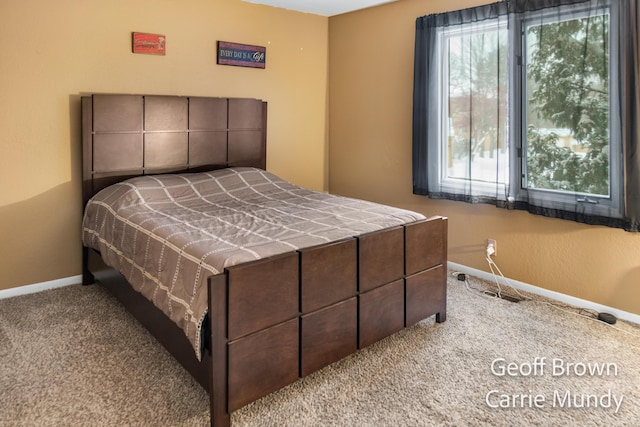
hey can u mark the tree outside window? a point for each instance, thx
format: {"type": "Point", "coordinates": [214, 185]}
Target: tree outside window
{"type": "Point", "coordinates": [567, 75]}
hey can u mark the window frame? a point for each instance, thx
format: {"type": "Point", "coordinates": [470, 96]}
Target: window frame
{"type": "Point", "coordinates": [608, 206]}
{"type": "Point", "coordinates": [445, 183]}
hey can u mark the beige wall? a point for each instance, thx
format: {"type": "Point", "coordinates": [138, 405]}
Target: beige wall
{"type": "Point", "coordinates": [370, 81]}
{"type": "Point", "coordinates": [54, 51]}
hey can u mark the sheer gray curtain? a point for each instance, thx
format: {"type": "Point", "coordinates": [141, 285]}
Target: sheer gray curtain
{"type": "Point", "coordinates": [533, 105]}
{"type": "Point", "coordinates": [629, 105]}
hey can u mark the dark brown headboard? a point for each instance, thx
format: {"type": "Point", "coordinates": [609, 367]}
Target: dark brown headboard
{"type": "Point", "coordinates": [130, 135]}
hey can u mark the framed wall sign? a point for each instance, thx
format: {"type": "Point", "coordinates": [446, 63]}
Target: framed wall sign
{"type": "Point", "coordinates": [242, 55]}
{"type": "Point", "coordinates": [154, 44]}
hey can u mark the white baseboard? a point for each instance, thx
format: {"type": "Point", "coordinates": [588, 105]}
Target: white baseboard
{"type": "Point", "coordinates": [38, 287]}
{"type": "Point", "coordinates": [567, 299]}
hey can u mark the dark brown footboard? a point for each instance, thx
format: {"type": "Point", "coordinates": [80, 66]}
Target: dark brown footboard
{"type": "Point", "coordinates": [279, 319]}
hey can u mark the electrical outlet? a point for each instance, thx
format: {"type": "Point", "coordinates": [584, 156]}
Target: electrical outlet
{"type": "Point", "coordinates": [492, 247]}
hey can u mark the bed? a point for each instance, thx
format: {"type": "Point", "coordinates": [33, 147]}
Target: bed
{"type": "Point", "coordinates": [279, 306]}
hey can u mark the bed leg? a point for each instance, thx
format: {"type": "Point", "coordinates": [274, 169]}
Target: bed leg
{"type": "Point", "coordinates": [87, 277]}
{"type": "Point", "coordinates": [218, 291]}
{"type": "Point", "coordinates": [441, 315]}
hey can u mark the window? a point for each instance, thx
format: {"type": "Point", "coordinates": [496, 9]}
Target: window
{"type": "Point", "coordinates": [472, 149]}
{"type": "Point", "coordinates": [571, 153]}
{"type": "Point", "coordinates": [515, 104]}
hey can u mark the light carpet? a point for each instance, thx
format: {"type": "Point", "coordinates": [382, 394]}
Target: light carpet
{"type": "Point", "coordinates": [73, 356]}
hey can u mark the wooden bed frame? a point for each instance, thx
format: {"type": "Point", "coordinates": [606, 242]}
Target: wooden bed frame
{"type": "Point", "coordinates": [274, 320]}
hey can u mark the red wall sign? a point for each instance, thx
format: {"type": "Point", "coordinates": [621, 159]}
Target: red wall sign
{"type": "Point", "coordinates": [154, 44]}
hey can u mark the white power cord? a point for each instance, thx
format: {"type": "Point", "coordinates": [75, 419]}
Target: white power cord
{"type": "Point", "coordinates": [492, 264]}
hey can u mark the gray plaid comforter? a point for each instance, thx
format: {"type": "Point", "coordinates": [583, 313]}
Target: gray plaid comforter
{"type": "Point", "coordinates": [167, 233]}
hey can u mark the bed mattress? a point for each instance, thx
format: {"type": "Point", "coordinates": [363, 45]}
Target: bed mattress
{"type": "Point", "coordinates": [167, 233]}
